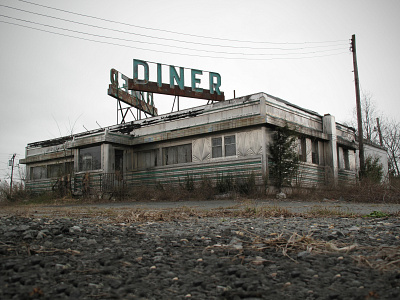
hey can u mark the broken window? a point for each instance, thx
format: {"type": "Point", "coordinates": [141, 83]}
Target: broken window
{"type": "Point", "coordinates": [90, 158]}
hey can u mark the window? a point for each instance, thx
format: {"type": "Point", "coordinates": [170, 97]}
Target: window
{"type": "Point", "coordinates": [302, 149]}
{"type": "Point", "coordinates": [216, 144]}
{"type": "Point", "coordinates": [147, 159]}
{"type": "Point", "coordinates": [177, 154]}
{"type": "Point", "coordinates": [38, 172]}
{"type": "Point", "coordinates": [90, 158]}
{"type": "Point", "coordinates": [119, 160]}
{"type": "Point", "coordinates": [54, 170]}
{"type": "Point", "coordinates": [184, 153]}
{"type": "Point", "coordinates": [58, 170]}
{"type": "Point", "coordinates": [314, 152]}
{"type": "Point", "coordinates": [230, 145]}
{"type": "Point", "coordinates": [346, 159]}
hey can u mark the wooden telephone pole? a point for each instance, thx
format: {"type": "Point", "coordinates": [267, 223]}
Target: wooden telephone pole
{"type": "Point", "coordinates": [358, 105]}
{"type": "Point", "coordinates": [12, 173]}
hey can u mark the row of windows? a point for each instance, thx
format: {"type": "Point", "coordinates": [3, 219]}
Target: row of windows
{"type": "Point", "coordinates": [90, 158]}
{"type": "Point", "coordinates": [51, 171]}
{"type": "Point", "coordinates": [221, 147]}
{"type": "Point", "coordinates": [342, 164]}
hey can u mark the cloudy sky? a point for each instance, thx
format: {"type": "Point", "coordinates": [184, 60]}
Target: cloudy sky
{"type": "Point", "coordinates": [56, 56]}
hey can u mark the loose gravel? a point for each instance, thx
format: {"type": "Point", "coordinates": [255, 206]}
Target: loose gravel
{"type": "Point", "coordinates": [200, 258]}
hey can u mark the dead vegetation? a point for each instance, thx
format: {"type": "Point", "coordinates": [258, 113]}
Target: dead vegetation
{"type": "Point", "coordinates": [295, 243]}
{"type": "Point", "coordinates": [384, 258]}
{"type": "Point", "coordinates": [293, 246]}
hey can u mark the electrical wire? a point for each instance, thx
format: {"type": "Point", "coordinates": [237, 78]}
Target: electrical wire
{"type": "Point", "coordinates": [167, 39]}
{"type": "Point", "coordinates": [175, 32]}
{"type": "Point", "coordinates": [158, 44]}
{"type": "Point", "coordinates": [168, 52]}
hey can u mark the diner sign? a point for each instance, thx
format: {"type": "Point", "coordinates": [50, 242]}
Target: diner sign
{"type": "Point", "coordinates": [127, 89]}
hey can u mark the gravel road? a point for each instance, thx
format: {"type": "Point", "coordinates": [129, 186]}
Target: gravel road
{"type": "Point", "coordinates": [95, 257]}
{"type": "Point", "coordinates": [295, 206]}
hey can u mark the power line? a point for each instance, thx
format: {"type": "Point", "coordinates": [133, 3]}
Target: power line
{"type": "Point", "coordinates": [184, 48]}
{"type": "Point", "coordinates": [163, 38]}
{"type": "Point", "coordinates": [175, 32]}
{"type": "Point", "coordinates": [169, 52]}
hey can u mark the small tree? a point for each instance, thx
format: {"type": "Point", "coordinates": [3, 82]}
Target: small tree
{"type": "Point", "coordinates": [285, 160]}
{"type": "Point", "coordinates": [373, 169]}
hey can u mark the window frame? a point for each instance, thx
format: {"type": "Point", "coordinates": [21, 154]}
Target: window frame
{"type": "Point", "coordinates": [216, 148]}
{"type": "Point", "coordinates": [226, 145]}
{"type": "Point", "coordinates": [314, 152]}
{"type": "Point", "coordinates": [222, 149]}
{"type": "Point", "coordinates": [180, 154]}
{"type": "Point", "coordinates": [94, 157]}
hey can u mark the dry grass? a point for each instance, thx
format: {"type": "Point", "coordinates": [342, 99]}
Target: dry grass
{"type": "Point", "coordinates": [384, 259]}
{"type": "Point", "coordinates": [320, 211]}
{"type": "Point", "coordinates": [294, 243]}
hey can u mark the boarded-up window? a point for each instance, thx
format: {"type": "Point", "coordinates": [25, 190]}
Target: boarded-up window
{"type": "Point", "coordinates": [230, 145]}
{"type": "Point", "coordinates": [147, 159]}
{"type": "Point", "coordinates": [177, 154]}
{"type": "Point", "coordinates": [216, 144]}
{"type": "Point", "coordinates": [90, 158]}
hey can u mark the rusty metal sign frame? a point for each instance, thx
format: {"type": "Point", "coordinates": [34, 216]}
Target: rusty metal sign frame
{"type": "Point", "coordinates": [130, 99]}
{"type": "Point", "coordinates": [165, 89]}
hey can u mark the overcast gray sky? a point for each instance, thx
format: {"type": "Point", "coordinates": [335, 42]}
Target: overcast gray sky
{"type": "Point", "coordinates": [53, 83]}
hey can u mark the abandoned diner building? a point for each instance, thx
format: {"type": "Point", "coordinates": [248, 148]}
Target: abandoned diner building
{"type": "Point", "coordinates": [222, 138]}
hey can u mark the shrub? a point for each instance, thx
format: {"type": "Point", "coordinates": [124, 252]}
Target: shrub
{"type": "Point", "coordinates": [373, 169]}
{"type": "Point", "coordinates": [284, 156]}
{"type": "Point", "coordinates": [246, 185]}
{"type": "Point", "coordinates": [225, 183]}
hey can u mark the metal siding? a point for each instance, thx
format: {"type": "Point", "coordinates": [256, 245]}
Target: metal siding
{"type": "Point", "coordinates": [214, 169]}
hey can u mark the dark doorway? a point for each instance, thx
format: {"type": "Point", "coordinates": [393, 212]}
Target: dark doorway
{"type": "Point", "coordinates": [119, 160]}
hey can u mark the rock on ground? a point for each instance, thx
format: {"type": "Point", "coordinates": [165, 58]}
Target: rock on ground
{"type": "Point", "coordinates": [210, 258]}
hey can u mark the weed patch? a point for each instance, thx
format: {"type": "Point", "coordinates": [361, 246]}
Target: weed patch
{"type": "Point", "coordinates": [377, 214]}
{"type": "Point", "coordinates": [318, 211]}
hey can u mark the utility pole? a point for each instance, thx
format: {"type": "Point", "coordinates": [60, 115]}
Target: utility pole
{"type": "Point", "coordinates": [358, 105]}
{"type": "Point", "coordinates": [12, 172]}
